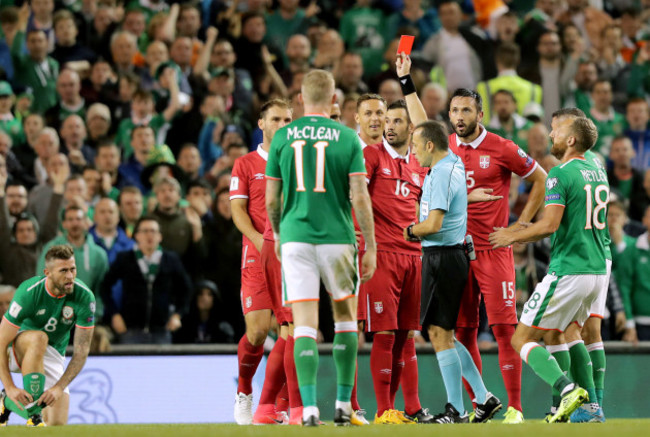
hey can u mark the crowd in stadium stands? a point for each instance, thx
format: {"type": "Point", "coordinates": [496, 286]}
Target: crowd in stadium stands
{"type": "Point", "coordinates": [112, 111]}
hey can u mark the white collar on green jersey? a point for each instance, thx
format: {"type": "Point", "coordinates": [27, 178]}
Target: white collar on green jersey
{"type": "Point", "coordinates": [263, 153]}
{"type": "Point", "coordinates": [477, 142]}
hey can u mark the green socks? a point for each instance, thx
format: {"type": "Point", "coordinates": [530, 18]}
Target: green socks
{"type": "Point", "coordinates": [599, 362]}
{"type": "Point", "coordinates": [34, 384]}
{"type": "Point", "coordinates": [581, 366]}
{"type": "Point", "coordinates": [544, 365]}
{"type": "Point", "coordinates": [345, 359]}
{"type": "Point", "coordinates": [305, 354]}
{"type": "Point", "coordinates": [563, 357]}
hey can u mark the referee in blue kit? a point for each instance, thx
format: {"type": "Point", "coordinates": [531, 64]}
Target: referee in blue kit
{"type": "Point", "coordinates": [445, 269]}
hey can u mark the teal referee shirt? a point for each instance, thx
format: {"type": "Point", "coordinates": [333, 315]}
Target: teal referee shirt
{"type": "Point", "coordinates": [445, 189]}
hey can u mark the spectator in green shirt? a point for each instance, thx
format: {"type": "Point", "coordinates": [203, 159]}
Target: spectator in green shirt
{"type": "Point", "coordinates": [8, 123]}
{"type": "Point", "coordinates": [505, 121]}
{"type": "Point", "coordinates": [362, 30]}
{"type": "Point", "coordinates": [287, 20]}
{"type": "Point", "coordinates": [609, 122]}
{"type": "Point", "coordinates": [35, 70]}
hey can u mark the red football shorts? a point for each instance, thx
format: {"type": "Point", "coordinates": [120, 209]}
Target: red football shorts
{"type": "Point", "coordinates": [254, 295]}
{"type": "Point", "coordinates": [392, 296]}
{"type": "Point", "coordinates": [273, 276]}
{"type": "Point", "coordinates": [491, 275]}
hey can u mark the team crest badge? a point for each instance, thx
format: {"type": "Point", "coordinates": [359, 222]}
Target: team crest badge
{"type": "Point", "coordinates": [249, 302]}
{"type": "Point", "coordinates": [379, 307]}
{"type": "Point", "coordinates": [67, 312]}
{"type": "Point", "coordinates": [484, 161]}
{"type": "Point", "coordinates": [522, 153]}
{"type": "Point", "coordinates": [550, 183]}
{"type": "Point", "coordinates": [416, 178]}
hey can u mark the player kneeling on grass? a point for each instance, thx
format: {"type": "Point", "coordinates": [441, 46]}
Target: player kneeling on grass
{"type": "Point", "coordinates": [35, 332]}
{"type": "Point", "coordinates": [445, 268]}
{"type": "Point", "coordinates": [577, 193]}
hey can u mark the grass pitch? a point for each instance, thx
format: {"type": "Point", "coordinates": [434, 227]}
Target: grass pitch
{"type": "Point", "coordinates": [621, 427]}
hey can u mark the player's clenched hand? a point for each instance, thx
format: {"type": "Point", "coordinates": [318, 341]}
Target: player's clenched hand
{"type": "Point", "coordinates": [501, 237]}
{"type": "Point", "coordinates": [368, 265]}
{"type": "Point", "coordinates": [19, 396]}
{"type": "Point", "coordinates": [403, 64]}
{"type": "Point", "coordinates": [482, 195]}
{"type": "Point", "coordinates": [50, 396]}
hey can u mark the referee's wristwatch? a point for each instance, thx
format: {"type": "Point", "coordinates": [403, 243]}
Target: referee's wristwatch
{"type": "Point", "coordinates": [409, 232]}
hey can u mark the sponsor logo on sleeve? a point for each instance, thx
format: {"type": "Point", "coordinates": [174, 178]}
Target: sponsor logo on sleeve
{"type": "Point", "coordinates": [551, 183]}
{"type": "Point", "coordinates": [529, 161]}
{"type": "Point", "coordinates": [234, 184]}
{"type": "Point", "coordinates": [14, 310]}
{"type": "Point", "coordinates": [552, 197]}
{"type": "Point", "coordinates": [522, 153]}
{"type": "Point", "coordinates": [92, 307]}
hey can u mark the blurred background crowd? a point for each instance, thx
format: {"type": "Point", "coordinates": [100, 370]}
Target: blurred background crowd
{"type": "Point", "coordinates": [112, 111]}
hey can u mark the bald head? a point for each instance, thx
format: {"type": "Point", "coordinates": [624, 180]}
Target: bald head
{"type": "Point", "coordinates": [298, 48]}
{"type": "Point", "coordinates": [68, 86]}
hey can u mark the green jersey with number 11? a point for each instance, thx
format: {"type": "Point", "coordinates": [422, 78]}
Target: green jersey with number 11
{"type": "Point", "coordinates": [314, 157]}
{"type": "Point", "coordinates": [35, 308]}
{"type": "Point", "coordinates": [578, 247]}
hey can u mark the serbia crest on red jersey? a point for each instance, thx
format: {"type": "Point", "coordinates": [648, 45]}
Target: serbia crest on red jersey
{"type": "Point", "coordinates": [484, 161]}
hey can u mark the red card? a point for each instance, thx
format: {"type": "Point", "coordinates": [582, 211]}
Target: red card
{"type": "Point", "coordinates": [405, 44]}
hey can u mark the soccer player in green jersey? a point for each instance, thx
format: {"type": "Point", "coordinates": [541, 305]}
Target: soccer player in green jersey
{"type": "Point", "coordinates": [317, 166]}
{"type": "Point", "coordinates": [577, 193]}
{"type": "Point", "coordinates": [568, 356]}
{"type": "Point", "coordinates": [35, 332]}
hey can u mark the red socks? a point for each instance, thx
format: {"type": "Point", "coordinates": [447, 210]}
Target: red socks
{"type": "Point", "coordinates": [282, 399]}
{"type": "Point", "coordinates": [468, 337]}
{"type": "Point", "coordinates": [410, 379]}
{"type": "Point", "coordinates": [249, 358]}
{"type": "Point", "coordinates": [295, 401]}
{"type": "Point", "coordinates": [274, 378]}
{"type": "Point", "coordinates": [510, 364]}
{"type": "Point", "coordinates": [397, 364]}
{"type": "Point", "coordinates": [381, 361]}
{"type": "Point", "coordinates": [354, 399]}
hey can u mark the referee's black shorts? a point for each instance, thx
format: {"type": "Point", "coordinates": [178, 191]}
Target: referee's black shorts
{"type": "Point", "coordinates": [444, 274]}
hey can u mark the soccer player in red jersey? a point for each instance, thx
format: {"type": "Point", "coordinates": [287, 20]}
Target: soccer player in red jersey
{"type": "Point", "coordinates": [392, 296]}
{"type": "Point", "coordinates": [489, 163]}
{"type": "Point", "coordinates": [247, 199]}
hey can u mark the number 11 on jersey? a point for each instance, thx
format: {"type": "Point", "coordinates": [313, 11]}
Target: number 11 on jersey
{"type": "Point", "coordinates": [319, 186]}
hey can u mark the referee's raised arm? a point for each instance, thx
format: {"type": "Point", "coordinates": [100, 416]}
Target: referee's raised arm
{"type": "Point", "coordinates": [413, 104]}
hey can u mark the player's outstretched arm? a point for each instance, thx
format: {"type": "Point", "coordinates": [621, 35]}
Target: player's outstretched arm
{"type": "Point", "coordinates": [8, 333]}
{"type": "Point", "coordinates": [82, 339]}
{"type": "Point", "coordinates": [413, 104]}
{"type": "Point", "coordinates": [482, 195]}
{"type": "Point", "coordinates": [504, 237]}
{"type": "Point", "coordinates": [536, 196]}
{"type": "Point", "coordinates": [363, 211]}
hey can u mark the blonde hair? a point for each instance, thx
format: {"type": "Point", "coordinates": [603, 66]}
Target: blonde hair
{"type": "Point", "coordinates": [317, 87]}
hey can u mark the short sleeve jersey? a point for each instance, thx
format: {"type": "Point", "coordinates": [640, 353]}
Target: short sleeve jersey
{"type": "Point", "coordinates": [445, 189]}
{"type": "Point", "coordinates": [578, 246]}
{"type": "Point", "coordinates": [35, 308]}
{"type": "Point", "coordinates": [395, 186]}
{"type": "Point", "coordinates": [314, 157]}
{"type": "Point", "coordinates": [593, 158]}
{"type": "Point", "coordinates": [489, 163]}
{"type": "Point", "coordinates": [248, 182]}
